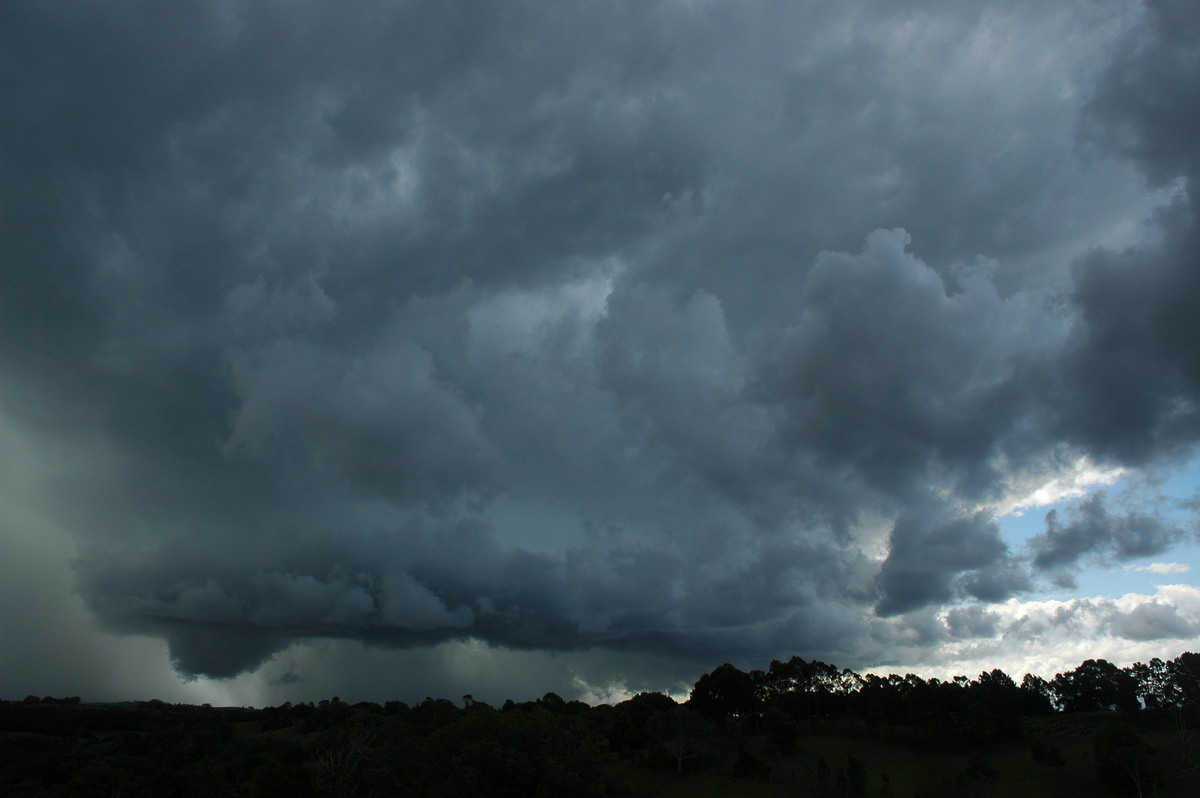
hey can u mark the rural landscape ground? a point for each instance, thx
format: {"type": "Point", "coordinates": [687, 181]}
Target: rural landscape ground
{"type": "Point", "coordinates": [796, 728]}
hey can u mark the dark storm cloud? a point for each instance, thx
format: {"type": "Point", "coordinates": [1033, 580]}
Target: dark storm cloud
{"type": "Point", "coordinates": [1136, 370]}
{"type": "Point", "coordinates": [553, 326]}
{"type": "Point", "coordinates": [1092, 531]}
{"type": "Point", "coordinates": [904, 377]}
{"type": "Point", "coordinates": [926, 558]}
{"type": "Point", "coordinates": [1145, 101]}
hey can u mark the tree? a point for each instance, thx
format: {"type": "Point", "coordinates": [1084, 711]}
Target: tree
{"type": "Point", "coordinates": [806, 688]}
{"type": "Point", "coordinates": [1036, 695]}
{"type": "Point", "coordinates": [1153, 683]}
{"type": "Point", "coordinates": [1182, 696]}
{"type": "Point", "coordinates": [997, 705]}
{"type": "Point", "coordinates": [726, 693]}
{"type": "Point", "coordinates": [346, 759]}
{"type": "Point", "coordinates": [682, 735]}
{"type": "Point", "coordinates": [1125, 763]}
{"type": "Point", "coordinates": [627, 734]}
{"type": "Point", "coordinates": [1094, 686]}
{"type": "Point", "coordinates": [1184, 679]}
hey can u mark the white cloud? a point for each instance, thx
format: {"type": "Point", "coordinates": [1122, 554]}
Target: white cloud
{"type": "Point", "coordinates": [1160, 568]}
{"type": "Point", "coordinates": [1052, 636]}
{"type": "Point", "coordinates": [1071, 480]}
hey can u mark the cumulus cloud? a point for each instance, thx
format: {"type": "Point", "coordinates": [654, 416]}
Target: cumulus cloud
{"type": "Point", "coordinates": [1046, 637]}
{"type": "Point", "coordinates": [695, 332]}
{"type": "Point", "coordinates": [972, 622]}
{"type": "Point", "coordinates": [1153, 621]}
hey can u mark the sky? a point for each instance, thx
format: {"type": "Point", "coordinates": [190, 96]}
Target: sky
{"type": "Point", "coordinates": [404, 349]}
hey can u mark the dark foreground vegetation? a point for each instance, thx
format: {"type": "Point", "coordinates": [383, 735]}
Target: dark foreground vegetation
{"type": "Point", "coordinates": [797, 728]}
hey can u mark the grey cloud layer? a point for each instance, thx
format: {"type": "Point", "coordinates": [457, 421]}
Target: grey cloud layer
{"type": "Point", "coordinates": [554, 326]}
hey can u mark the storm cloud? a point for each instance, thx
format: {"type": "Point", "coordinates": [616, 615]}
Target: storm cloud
{"type": "Point", "coordinates": [690, 331]}
{"type": "Point", "coordinates": [1092, 530]}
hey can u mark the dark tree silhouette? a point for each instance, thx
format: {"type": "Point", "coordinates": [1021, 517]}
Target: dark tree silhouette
{"type": "Point", "coordinates": [1094, 686]}
{"type": "Point", "coordinates": [726, 693]}
{"type": "Point", "coordinates": [1036, 695]}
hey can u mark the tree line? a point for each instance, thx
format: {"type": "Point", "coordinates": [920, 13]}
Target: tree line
{"type": "Point", "coordinates": [990, 705]}
{"type": "Point", "coordinates": [767, 725]}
